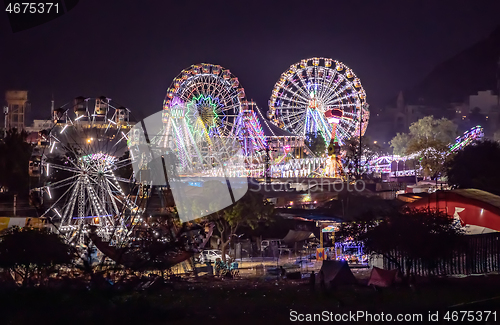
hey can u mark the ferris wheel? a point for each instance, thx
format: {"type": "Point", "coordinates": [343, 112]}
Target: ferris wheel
{"type": "Point", "coordinates": [320, 95]}
{"type": "Point", "coordinates": [199, 114]}
{"type": "Point", "coordinates": [84, 171]}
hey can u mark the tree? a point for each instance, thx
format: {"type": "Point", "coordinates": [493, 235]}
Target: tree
{"type": "Point", "coordinates": [316, 143]}
{"type": "Point", "coordinates": [29, 252]}
{"type": "Point", "coordinates": [429, 139]}
{"type": "Point", "coordinates": [496, 136]}
{"type": "Point", "coordinates": [249, 211]}
{"type": "Point", "coordinates": [442, 130]}
{"type": "Point", "coordinates": [407, 237]}
{"type": "Point", "coordinates": [15, 154]}
{"type": "Point", "coordinates": [476, 166]}
{"type": "Point", "coordinates": [356, 162]}
{"type": "Point", "coordinates": [432, 155]}
{"type": "Point", "coordinates": [399, 143]}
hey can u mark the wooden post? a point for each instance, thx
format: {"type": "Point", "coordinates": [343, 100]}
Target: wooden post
{"type": "Point", "coordinates": [321, 236]}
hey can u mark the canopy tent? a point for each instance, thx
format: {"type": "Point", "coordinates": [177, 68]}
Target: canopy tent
{"type": "Point", "coordinates": [294, 236]}
{"type": "Point", "coordinates": [337, 273]}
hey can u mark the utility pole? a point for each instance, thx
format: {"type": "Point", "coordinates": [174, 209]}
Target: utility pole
{"type": "Point", "coordinates": [268, 166]}
{"type": "Point", "coordinates": [6, 120]}
{"type": "Point", "coordinates": [498, 85]}
{"type": "Point", "coordinates": [52, 107]}
{"type": "Point", "coordinates": [360, 136]}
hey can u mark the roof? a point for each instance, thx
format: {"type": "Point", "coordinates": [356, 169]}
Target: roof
{"type": "Point", "coordinates": [477, 197]}
{"type": "Point", "coordinates": [271, 130]}
{"type": "Point", "coordinates": [473, 207]}
{"type": "Point", "coordinates": [485, 197]}
{"type": "Point", "coordinates": [307, 214]}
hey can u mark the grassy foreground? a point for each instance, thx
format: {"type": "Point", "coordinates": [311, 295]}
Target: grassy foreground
{"type": "Point", "coordinates": [244, 301]}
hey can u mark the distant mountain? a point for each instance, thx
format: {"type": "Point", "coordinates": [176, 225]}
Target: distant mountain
{"type": "Point", "coordinates": [475, 68]}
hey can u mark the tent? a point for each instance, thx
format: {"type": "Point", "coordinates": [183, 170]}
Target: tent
{"type": "Point", "coordinates": [382, 278]}
{"type": "Point", "coordinates": [337, 272]}
{"type": "Point", "coordinates": [294, 236]}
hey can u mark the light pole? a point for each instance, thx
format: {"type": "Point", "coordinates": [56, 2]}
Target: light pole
{"type": "Point", "coordinates": [360, 136]}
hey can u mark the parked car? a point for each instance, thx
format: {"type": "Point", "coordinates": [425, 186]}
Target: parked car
{"type": "Point", "coordinates": [211, 255]}
{"type": "Point", "coordinates": [308, 260]}
{"type": "Point", "coordinates": [272, 242]}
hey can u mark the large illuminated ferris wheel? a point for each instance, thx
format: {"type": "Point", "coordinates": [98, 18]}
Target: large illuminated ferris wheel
{"type": "Point", "coordinates": [320, 95]}
{"type": "Point", "coordinates": [200, 113]}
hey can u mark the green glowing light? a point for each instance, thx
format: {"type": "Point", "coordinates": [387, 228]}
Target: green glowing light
{"type": "Point", "coordinates": [205, 107]}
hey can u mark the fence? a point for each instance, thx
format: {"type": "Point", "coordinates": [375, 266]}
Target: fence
{"type": "Point", "coordinates": [480, 254]}
{"type": "Point", "coordinates": [248, 250]}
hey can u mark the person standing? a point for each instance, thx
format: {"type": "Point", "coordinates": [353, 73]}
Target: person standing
{"type": "Point", "coordinates": [282, 272]}
{"type": "Point", "coordinates": [312, 281]}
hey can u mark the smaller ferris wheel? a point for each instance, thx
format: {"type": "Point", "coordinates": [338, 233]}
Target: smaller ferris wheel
{"type": "Point", "coordinates": [320, 96]}
{"type": "Point", "coordinates": [83, 175]}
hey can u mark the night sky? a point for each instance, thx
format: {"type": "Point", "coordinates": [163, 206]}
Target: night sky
{"type": "Point", "coordinates": [130, 50]}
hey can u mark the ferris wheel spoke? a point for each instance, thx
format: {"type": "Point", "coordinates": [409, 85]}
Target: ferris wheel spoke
{"type": "Point", "coordinates": [231, 108]}
{"type": "Point", "coordinates": [333, 90]}
{"type": "Point", "coordinates": [65, 168]}
{"type": "Point", "coordinates": [63, 146]}
{"type": "Point", "coordinates": [59, 199]}
{"type": "Point", "coordinates": [63, 182]}
{"type": "Point", "coordinates": [296, 97]}
{"type": "Point", "coordinates": [109, 193]}
{"type": "Point", "coordinates": [300, 88]}
{"type": "Point", "coordinates": [116, 187]}
{"type": "Point", "coordinates": [294, 122]}
{"type": "Point", "coordinates": [327, 79]}
{"type": "Point", "coordinates": [294, 109]}
{"type": "Point", "coordinates": [69, 208]}
{"type": "Point", "coordinates": [75, 142]}
{"type": "Point", "coordinates": [212, 85]}
{"type": "Point", "coordinates": [122, 163]}
{"type": "Point", "coordinates": [340, 99]}
{"type": "Point", "coordinates": [96, 207]}
{"type": "Point", "coordinates": [304, 86]}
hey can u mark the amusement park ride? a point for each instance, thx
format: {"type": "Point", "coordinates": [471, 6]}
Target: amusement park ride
{"type": "Point", "coordinates": [208, 121]}
{"type": "Point", "coordinates": [79, 170]}
{"type": "Point", "coordinates": [83, 169]}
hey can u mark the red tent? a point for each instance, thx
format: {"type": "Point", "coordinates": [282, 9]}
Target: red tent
{"type": "Point", "coordinates": [382, 278]}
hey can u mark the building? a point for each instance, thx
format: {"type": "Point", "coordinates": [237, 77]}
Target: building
{"type": "Point", "coordinates": [486, 101]}
{"type": "Point", "coordinates": [39, 125]}
{"type": "Point", "coordinates": [16, 109]}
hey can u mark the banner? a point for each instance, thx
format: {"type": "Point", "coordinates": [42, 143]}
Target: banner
{"type": "Point", "coordinates": [320, 254]}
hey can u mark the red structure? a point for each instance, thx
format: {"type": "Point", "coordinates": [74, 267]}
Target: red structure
{"type": "Point", "coordinates": [473, 207]}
